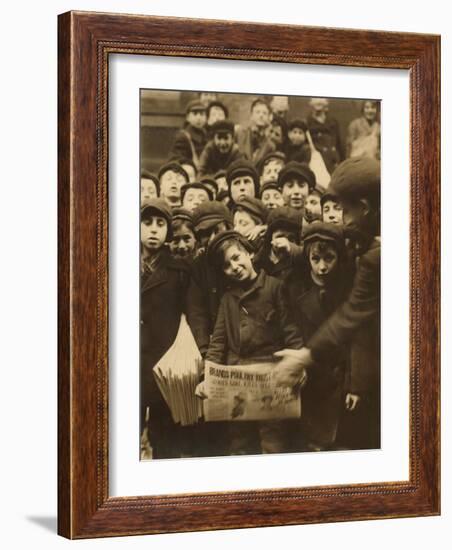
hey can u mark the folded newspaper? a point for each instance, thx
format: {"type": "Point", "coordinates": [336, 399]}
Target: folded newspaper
{"type": "Point", "coordinates": [247, 393]}
{"type": "Point", "coordinates": [178, 373]}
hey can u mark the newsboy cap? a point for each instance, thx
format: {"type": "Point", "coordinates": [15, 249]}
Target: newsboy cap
{"type": "Point", "coordinates": [242, 167]}
{"type": "Point", "coordinates": [174, 167]}
{"type": "Point", "coordinates": [214, 245]}
{"type": "Point", "coordinates": [325, 232]}
{"type": "Point", "coordinates": [209, 214]}
{"type": "Point", "coordinates": [195, 105]}
{"type": "Point", "coordinates": [195, 185]}
{"type": "Point", "coordinates": [222, 126]}
{"type": "Point", "coordinates": [358, 178]}
{"type": "Point", "coordinates": [158, 207]}
{"type": "Point", "coordinates": [284, 217]}
{"type": "Point", "coordinates": [253, 206]}
{"type": "Point", "coordinates": [300, 169]}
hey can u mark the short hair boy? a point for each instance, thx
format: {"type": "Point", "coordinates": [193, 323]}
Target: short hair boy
{"type": "Point", "coordinates": [270, 166]}
{"type": "Point", "coordinates": [296, 180]}
{"type": "Point", "coordinates": [221, 150]}
{"type": "Point", "coordinates": [172, 177]}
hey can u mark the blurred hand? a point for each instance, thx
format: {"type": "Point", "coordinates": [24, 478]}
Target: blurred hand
{"type": "Point", "coordinates": [256, 232]}
{"type": "Point", "coordinates": [281, 245]}
{"type": "Point", "coordinates": [351, 401]}
{"type": "Point", "coordinates": [291, 370]}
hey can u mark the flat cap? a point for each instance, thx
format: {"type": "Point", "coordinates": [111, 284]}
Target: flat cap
{"type": "Point", "coordinates": [325, 232]}
{"type": "Point", "coordinates": [272, 184]}
{"type": "Point", "coordinates": [299, 169]}
{"type": "Point", "coordinates": [209, 214]}
{"type": "Point", "coordinates": [356, 177]}
{"type": "Point", "coordinates": [222, 126]}
{"type": "Point", "coordinates": [182, 214]}
{"type": "Point", "coordinates": [195, 105]}
{"type": "Point", "coordinates": [195, 185]}
{"type": "Point", "coordinates": [253, 206]}
{"type": "Point", "coordinates": [174, 167]}
{"type": "Point", "coordinates": [242, 167]}
{"type": "Point", "coordinates": [284, 216]}
{"type": "Point", "coordinates": [213, 247]}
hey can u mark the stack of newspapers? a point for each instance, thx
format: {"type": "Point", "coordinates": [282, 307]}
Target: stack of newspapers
{"type": "Point", "coordinates": [178, 373]}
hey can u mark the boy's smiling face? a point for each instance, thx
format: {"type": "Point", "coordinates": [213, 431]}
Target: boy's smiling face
{"type": "Point", "coordinates": [294, 192]}
{"type": "Point", "coordinates": [223, 142]}
{"type": "Point", "coordinates": [153, 232]}
{"type": "Point", "coordinates": [237, 264]}
{"type": "Point", "coordinates": [183, 243]}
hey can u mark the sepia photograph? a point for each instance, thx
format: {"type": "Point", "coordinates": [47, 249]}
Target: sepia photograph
{"type": "Point", "coordinates": [259, 274]}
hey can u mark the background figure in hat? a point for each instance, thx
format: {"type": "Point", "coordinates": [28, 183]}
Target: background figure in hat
{"type": "Point", "coordinates": [331, 209]}
{"type": "Point", "coordinates": [297, 147]}
{"type": "Point", "coordinates": [183, 244]}
{"type": "Point", "coordinates": [250, 216]}
{"type": "Point", "coordinates": [270, 195]}
{"type": "Point", "coordinates": [280, 105]}
{"type": "Point", "coordinates": [206, 285]}
{"type": "Point", "coordinates": [315, 288]}
{"type": "Point", "coordinates": [312, 206]}
{"type": "Point", "coordinates": [253, 322]}
{"type": "Point", "coordinates": [356, 323]}
{"type": "Point", "coordinates": [363, 136]}
{"type": "Point", "coordinates": [172, 177]}
{"type": "Point", "coordinates": [281, 249]}
{"type": "Point", "coordinates": [164, 282]}
{"type": "Point", "coordinates": [325, 133]}
{"type": "Point", "coordinates": [253, 140]}
{"type": "Point", "coordinates": [194, 194]}
{"type": "Point", "coordinates": [191, 140]}
{"type": "Point", "coordinates": [221, 150]}
{"type": "Point", "coordinates": [296, 180]}
{"type": "Point", "coordinates": [270, 166]}
{"type": "Point", "coordinates": [243, 180]}
{"type": "Point", "coordinates": [149, 187]}
{"type": "Point", "coordinates": [216, 111]}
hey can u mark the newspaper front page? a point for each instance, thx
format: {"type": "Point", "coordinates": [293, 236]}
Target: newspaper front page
{"type": "Point", "coordinates": [247, 393]}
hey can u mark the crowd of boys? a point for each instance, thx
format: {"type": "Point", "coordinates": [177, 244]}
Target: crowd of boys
{"type": "Point", "coordinates": [267, 266]}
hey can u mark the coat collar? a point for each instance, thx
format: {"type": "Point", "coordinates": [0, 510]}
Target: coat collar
{"type": "Point", "coordinates": [258, 283]}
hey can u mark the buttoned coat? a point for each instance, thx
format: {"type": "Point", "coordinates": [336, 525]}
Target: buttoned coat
{"type": "Point", "coordinates": [252, 324]}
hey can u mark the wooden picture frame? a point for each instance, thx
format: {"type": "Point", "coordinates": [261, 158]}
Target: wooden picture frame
{"type": "Point", "coordinates": [86, 40]}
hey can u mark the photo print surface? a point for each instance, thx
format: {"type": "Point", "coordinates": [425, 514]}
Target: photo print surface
{"type": "Point", "coordinates": [259, 274]}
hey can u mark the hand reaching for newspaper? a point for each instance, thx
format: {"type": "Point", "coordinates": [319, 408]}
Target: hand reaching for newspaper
{"type": "Point", "coordinates": [291, 370]}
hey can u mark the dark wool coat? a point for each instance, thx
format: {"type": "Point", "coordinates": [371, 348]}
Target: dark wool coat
{"type": "Point", "coordinates": [254, 146]}
{"type": "Point", "coordinates": [323, 395]}
{"type": "Point", "coordinates": [327, 141]}
{"type": "Point", "coordinates": [187, 141]}
{"type": "Point", "coordinates": [357, 323]}
{"type": "Point", "coordinates": [162, 303]}
{"type": "Point", "coordinates": [300, 153]}
{"type": "Point", "coordinates": [211, 160]}
{"type": "Point", "coordinates": [252, 324]}
{"type": "Point", "coordinates": [206, 289]}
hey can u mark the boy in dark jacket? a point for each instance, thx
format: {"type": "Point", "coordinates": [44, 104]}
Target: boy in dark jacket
{"type": "Point", "coordinates": [164, 283]}
{"type": "Point", "coordinates": [314, 290]}
{"type": "Point", "coordinates": [356, 323]}
{"type": "Point", "coordinates": [297, 147]}
{"type": "Point", "coordinates": [221, 150]}
{"type": "Point", "coordinates": [191, 140]}
{"type": "Point", "coordinates": [253, 322]}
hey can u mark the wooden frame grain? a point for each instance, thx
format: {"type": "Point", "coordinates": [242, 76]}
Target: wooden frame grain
{"type": "Point", "coordinates": [85, 42]}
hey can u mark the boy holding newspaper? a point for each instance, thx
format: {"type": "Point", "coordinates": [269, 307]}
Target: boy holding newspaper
{"type": "Point", "coordinates": [252, 324]}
